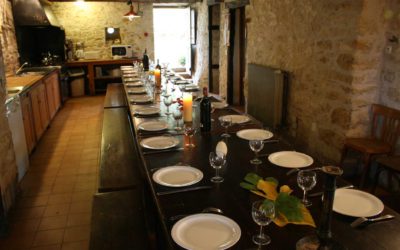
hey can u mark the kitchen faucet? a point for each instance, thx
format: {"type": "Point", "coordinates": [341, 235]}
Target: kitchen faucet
{"type": "Point", "coordinates": [20, 68]}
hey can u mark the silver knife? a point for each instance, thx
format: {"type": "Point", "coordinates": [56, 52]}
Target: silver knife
{"type": "Point", "coordinates": [321, 193]}
{"type": "Point", "coordinates": [162, 151]}
{"type": "Point", "coordinates": [182, 190]}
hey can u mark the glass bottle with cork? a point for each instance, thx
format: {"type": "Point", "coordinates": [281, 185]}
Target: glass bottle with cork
{"type": "Point", "coordinates": [205, 112]}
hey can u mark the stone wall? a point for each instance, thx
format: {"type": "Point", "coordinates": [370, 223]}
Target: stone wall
{"type": "Point", "coordinates": [390, 78]}
{"type": "Point", "coordinates": [8, 39]}
{"type": "Point", "coordinates": [8, 167]}
{"type": "Point", "coordinates": [86, 23]}
{"type": "Point", "coordinates": [333, 52]}
{"type": "Point", "coordinates": [201, 63]}
{"type": "Point", "coordinates": [223, 51]}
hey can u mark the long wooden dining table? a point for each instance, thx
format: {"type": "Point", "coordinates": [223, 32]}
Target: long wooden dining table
{"type": "Point", "coordinates": [233, 200]}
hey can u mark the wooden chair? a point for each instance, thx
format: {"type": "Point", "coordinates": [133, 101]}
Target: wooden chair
{"type": "Point", "coordinates": [385, 131]}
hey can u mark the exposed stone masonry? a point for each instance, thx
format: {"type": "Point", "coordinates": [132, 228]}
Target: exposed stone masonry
{"type": "Point", "coordinates": [86, 23]}
{"type": "Point", "coordinates": [333, 51]}
{"type": "Point", "coordinates": [8, 39]}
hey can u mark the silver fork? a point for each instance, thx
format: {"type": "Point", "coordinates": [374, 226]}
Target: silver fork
{"type": "Point", "coordinates": [363, 221]}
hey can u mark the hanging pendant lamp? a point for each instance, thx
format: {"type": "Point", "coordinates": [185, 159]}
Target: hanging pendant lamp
{"type": "Point", "coordinates": [131, 14]}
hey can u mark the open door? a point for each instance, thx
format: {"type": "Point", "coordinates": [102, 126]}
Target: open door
{"type": "Point", "coordinates": [236, 58]}
{"type": "Point", "coordinates": [214, 15]}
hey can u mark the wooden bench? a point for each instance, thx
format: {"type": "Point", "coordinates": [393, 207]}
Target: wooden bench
{"type": "Point", "coordinates": [118, 221]}
{"type": "Point", "coordinates": [115, 96]}
{"type": "Point", "coordinates": [119, 161]}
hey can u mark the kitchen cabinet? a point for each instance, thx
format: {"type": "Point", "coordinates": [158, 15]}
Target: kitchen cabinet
{"type": "Point", "coordinates": [52, 85]}
{"type": "Point", "coordinates": [40, 112]}
{"type": "Point", "coordinates": [27, 117]}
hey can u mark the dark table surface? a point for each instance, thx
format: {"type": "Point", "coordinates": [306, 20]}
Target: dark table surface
{"type": "Point", "coordinates": [236, 201]}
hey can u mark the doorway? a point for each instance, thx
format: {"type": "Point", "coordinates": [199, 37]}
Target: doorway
{"type": "Point", "coordinates": [172, 36]}
{"type": "Point", "coordinates": [214, 15]}
{"type": "Point", "coordinates": [236, 58]}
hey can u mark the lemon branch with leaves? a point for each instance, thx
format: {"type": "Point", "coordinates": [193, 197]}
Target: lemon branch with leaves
{"type": "Point", "coordinates": [289, 208]}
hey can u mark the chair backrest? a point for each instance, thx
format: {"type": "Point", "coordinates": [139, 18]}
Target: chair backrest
{"type": "Point", "coordinates": [385, 124]}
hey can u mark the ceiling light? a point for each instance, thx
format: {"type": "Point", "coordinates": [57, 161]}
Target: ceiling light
{"type": "Point", "coordinates": [131, 14]}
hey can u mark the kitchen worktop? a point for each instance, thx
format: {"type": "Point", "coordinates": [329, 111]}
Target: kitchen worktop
{"type": "Point", "coordinates": [24, 82]}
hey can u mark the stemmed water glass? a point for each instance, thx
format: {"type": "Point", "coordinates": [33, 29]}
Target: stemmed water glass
{"type": "Point", "coordinates": [263, 212]}
{"type": "Point", "coordinates": [226, 122]}
{"type": "Point", "coordinates": [189, 131]}
{"type": "Point", "coordinates": [217, 160]}
{"type": "Point", "coordinates": [167, 102]}
{"type": "Point", "coordinates": [306, 180]}
{"type": "Point", "coordinates": [256, 146]}
{"type": "Point", "coordinates": [177, 114]}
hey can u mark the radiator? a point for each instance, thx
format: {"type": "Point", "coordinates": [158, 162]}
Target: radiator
{"type": "Point", "coordinates": [267, 95]}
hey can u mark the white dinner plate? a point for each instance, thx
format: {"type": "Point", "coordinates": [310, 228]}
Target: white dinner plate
{"type": "Point", "coordinates": [147, 111]}
{"type": "Point", "coordinates": [159, 142]}
{"type": "Point", "coordinates": [136, 91]}
{"type": "Point", "coordinates": [131, 79]}
{"type": "Point", "coordinates": [191, 87]}
{"type": "Point", "coordinates": [134, 84]}
{"type": "Point", "coordinates": [153, 126]}
{"type": "Point", "coordinates": [178, 82]}
{"type": "Point", "coordinates": [206, 231]}
{"type": "Point", "coordinates": [219, 105]}
{"type": "Point", "coordinates": [140, 99]}
{"type": "Point", "coordinates": [254, 134]}
{"type": "Point", "coordinates": [130, 75]}
{"type": "Point", "coordinates": [357, 203]}
{"type": "Point", "coordinates": [238, 119]}
{"type": "Point", "coordinates": [290, 159]}
{"type": "Point", "coordinates": [177, 176]}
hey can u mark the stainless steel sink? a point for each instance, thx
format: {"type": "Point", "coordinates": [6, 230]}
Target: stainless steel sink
{"type": "Point", "coordinates": [32, 73]}
{"type": "Point", "coordinates": [14, 90]}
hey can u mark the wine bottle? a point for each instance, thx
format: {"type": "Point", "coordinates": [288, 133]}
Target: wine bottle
{"type": "Point", "coordinates": [158, 64]}
{"type": "Point", "coordinates": [205, 112]}
{"type": "Point", "coordinates": [145, 61]}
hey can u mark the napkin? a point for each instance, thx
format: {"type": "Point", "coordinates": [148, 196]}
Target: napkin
{"type": "Point", "coordinates": [221, 148]}
{"type": "Point", "coordinates": [289, 209]}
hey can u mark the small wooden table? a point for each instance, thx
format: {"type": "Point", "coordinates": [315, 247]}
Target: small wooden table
{"type": "Point", "coordinates": [90, 64]}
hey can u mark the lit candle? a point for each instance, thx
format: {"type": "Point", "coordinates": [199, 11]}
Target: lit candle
{"type": "Point", "coordinates": [187, 107]}
{"type": "Point", "coordinates": [157, 76]}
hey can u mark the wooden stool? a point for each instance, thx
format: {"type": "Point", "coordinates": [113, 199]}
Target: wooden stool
{"type": "Point", "coordinates": [390, 163]}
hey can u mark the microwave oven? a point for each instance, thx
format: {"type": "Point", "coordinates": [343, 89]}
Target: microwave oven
{"type": "Point", "coordinates": [122, 51]}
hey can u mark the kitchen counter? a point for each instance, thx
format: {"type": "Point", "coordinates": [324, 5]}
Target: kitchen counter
{"type": "Point", "coordinates": [17, 84]}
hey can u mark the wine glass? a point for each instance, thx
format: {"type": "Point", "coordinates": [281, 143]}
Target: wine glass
{"type": "Point", "coordinates": [217, 160]}
{"type": "Point", "coordinates": [225, 122]}
{"type": "Point", "coordinates": [189, 130]}
{"type": "Point", "coordinates": [256, 146]}
{"type": "Point", "coordinates": [263, 212]}
{"type": "Point", "coordinates": [306, 180]}
{"type": "Point", "coordinates": [177, 114]}
{"type": "Point", "coordinates": [167, 102]}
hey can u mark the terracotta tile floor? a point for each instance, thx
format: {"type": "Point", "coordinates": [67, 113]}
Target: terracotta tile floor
{"type": "Point", "coordinates": [53, 210]}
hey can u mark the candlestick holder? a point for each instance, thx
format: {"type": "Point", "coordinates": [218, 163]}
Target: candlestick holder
{"type": "Point", "coordinates": [323, 238]}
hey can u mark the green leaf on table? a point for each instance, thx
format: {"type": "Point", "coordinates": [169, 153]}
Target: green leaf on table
{"type": "Point", "coordinates": [252, 178]}
{"type": "Point", "coordinates": [289, 206]}
{"type": "Point", "coordinates": [248, 186]}
{"type": "Point", "coordinates": [273, 180]}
